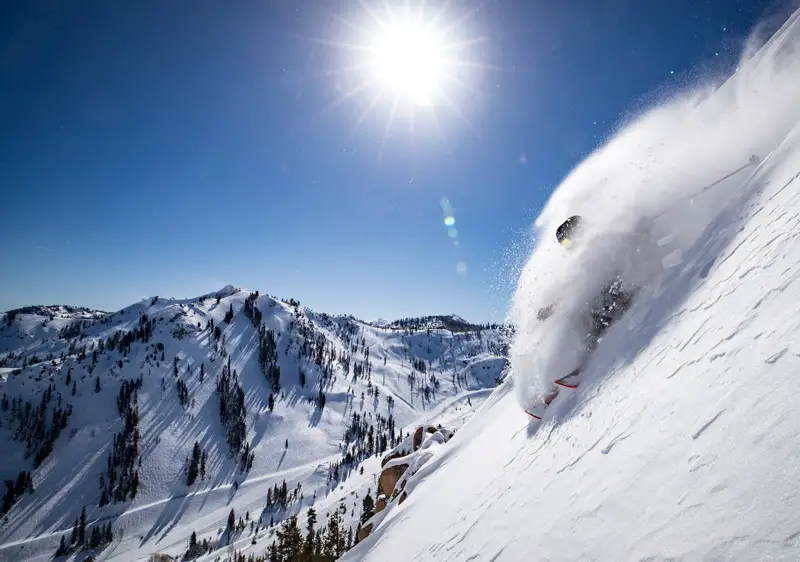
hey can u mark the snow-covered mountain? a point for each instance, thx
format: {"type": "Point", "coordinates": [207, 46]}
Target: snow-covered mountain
{"type": "Point", "coordinates": [107, 411]}
{"type": "Point", "coordinates": [681, 443]}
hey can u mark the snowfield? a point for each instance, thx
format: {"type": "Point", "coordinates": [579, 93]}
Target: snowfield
{"type": "Point", "coordinates": [373, 372]}
{"type": "Point", "coordinates": [682, 441]}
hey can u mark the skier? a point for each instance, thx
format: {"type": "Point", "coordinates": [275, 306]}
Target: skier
{"type": "Point", "coordinates": [616, 298]}
{"type": "Point", "coordinates": [610, 305]}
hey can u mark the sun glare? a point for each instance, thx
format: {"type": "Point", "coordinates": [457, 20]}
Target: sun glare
{"type": "Point", "coordinates": [409, 60]}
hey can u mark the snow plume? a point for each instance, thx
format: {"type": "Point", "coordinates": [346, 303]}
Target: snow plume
{"type": "Point", "coordinates": [651, 176]}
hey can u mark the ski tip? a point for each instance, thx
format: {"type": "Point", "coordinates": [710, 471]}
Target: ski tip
{"type": "Point", "coordinates": [534, 416]}
{"type": "Point", "coordinates": [565, 384]}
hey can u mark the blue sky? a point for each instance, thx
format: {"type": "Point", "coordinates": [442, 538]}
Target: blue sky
{"type": "Point", "coordinates": [171, 148]}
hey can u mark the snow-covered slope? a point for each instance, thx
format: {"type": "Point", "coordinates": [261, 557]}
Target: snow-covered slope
{"type": "Point", "coordinates": [681, 442]}
{"type": "Point", "coordinates": [30, 325]}
{"type": "Point", "coordinates": [375, 381]}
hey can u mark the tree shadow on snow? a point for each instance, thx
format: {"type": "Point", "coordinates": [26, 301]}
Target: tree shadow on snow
{"type": "Point", "coordinates": [168, 518]}
{"type": "Point", "coordinates": [62, 485]}
{"type": "Point", "coordinates": [294, 397]}
{"type": "Point", "coordinates": [316, 417]}
{"type": "Point", "coordinates": [280, 461]}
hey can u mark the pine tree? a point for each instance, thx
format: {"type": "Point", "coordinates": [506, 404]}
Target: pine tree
{"type": "Point", "coordinates": [97, 384]}
{"type": "Point", "coordinates": [333, 537]}
{"type": "Point", "coordinates": [74, 536]}
{"type": "Point", "coordinates": [368, 508]}
{"type": "Point", "coordinates": [203, 465]}
{"type": "Point", "coordinates": [229, 315]}
{"type": "Point", "coordinates": [62, 547]}
{"type": "Point", "coordinates": [74, 387]}
{"type": "Point", "coordinates": [308, 545]}
{"type": "Point", "coordinates": [231, 520]}
{"type": "Point", "coordinates": [82, 527]}
{"type": "Point", "coordinates": [302, 378]}
{"type": "Point", "coordinates": [109, 534]}
{"type": "Point", "coordinates": [290, 540]}
{"type": "Point", "coordinates": [194, 466]}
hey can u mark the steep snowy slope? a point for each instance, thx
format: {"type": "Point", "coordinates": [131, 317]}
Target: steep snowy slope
{"type": "Point", "coordinates": [681, 443]}
{"type": "Point", "coordinates": [321, 396]}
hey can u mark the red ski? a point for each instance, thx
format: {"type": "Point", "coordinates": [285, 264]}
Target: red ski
{"type": "Point", "coordinates": [571, 380]}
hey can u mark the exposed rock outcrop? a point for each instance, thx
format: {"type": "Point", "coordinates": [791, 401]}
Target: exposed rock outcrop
{"type": "Point", "coordinates": [389, 478]}
{"type": "Point", "coordinates": [400, 464]}
{"type": "Point", "coordinates": [391, 456]}
{"type": "Point", "coordinates": [417, 438]}
{"type": "Point", "coordinates": [364, 532]}
{"type": "Point", "coordinates": [419, 433]}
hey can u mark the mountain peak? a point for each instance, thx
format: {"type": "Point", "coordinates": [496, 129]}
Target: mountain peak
{"type": "Point", "coordinates": [266, 389]}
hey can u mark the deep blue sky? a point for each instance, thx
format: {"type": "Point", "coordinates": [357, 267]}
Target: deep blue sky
{"type": "Point", "coordinates": [173, 147]}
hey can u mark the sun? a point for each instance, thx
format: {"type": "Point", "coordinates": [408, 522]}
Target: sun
{"type": "Point", "coordinates": [409, 60]}
{"type": "Point", "coordinates": [406, 65]}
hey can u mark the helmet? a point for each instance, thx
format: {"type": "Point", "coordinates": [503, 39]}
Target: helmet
{"type": "Point", "coordinates": [570, 229]}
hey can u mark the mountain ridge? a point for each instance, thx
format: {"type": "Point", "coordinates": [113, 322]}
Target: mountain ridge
{"type": "Point", "coordinates": [309, 398]}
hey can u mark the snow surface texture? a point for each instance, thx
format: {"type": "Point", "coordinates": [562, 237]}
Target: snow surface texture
{"type": "Point", "coordinates": [167, 510]}
{"type": "Point", "coordinates": [681, 442]}
{"type": "Point", "coordinates": [643, 197]}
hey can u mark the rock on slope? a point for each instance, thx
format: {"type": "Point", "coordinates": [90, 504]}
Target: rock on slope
{"type": "Point", "coordinates": [399, 466]}
{"type": "Point", "coordinates": [682, 443]}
